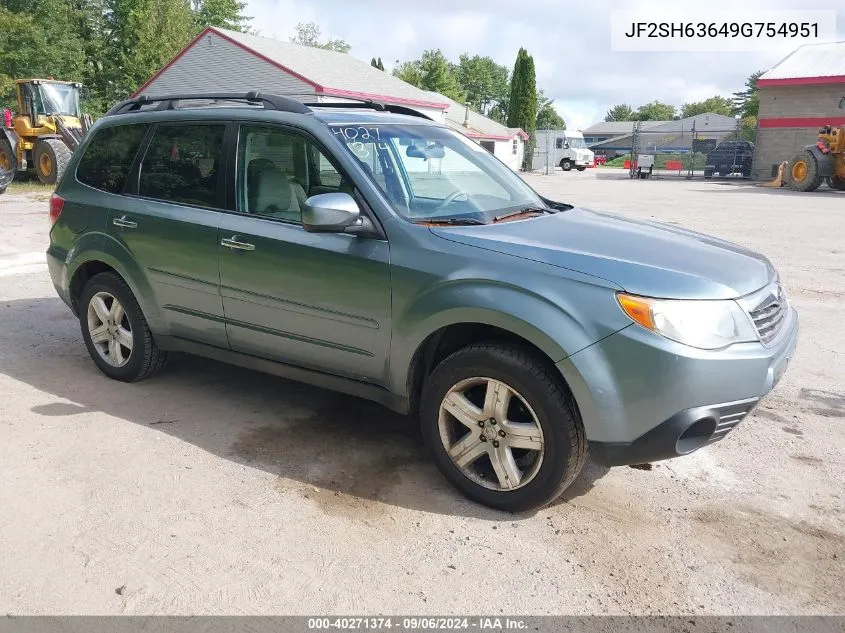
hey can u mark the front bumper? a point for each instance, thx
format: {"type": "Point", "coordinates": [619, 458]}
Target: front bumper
{"type": "Point", "coordinates": [644, 398]}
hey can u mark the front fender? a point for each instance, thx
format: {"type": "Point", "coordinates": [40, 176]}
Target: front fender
{"type": "Point", "coordinates": [544, 322]}
{"type": "Point", "coordinates": [104, 248]}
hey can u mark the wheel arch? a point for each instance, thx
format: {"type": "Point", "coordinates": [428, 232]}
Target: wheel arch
{"type": "Point", "coordinates": [107, 255]}
{"type": "Point", "coordinates": [448, 339]}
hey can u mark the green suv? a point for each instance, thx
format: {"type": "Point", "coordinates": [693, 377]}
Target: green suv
{"type": "Point", "coordinates": [367, 249]}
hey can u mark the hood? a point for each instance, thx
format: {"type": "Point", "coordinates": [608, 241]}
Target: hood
{"type": "Point", "coordinates": [644, 258]}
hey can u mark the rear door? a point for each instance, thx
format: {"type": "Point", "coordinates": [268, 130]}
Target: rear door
{"type": "Point", "coordinates": [315, 300]}
{"type": "Point", "coordinates": [170, 227]}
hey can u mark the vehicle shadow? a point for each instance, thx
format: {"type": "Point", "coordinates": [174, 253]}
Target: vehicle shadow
{"type": "Point", "coordinates": [336, 449]}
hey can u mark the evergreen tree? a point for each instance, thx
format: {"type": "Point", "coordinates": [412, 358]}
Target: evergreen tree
{"type": "Point", "coordinates": [380, 65]}
{"type": "Point", "coordinates": [747, 102]}
{"type": "Point", "coordinates": [522, 107]}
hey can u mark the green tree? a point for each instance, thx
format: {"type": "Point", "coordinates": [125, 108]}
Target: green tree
{"type": "Point", "coordinates": [484, 81]}
{"type": "Point", "coordinates": [374, 63]}
{"type": "Point", "coordinates": [746, 103]}
{"type": "Point", "coordinates": [715, 104]}
{"type": "Point", "coordinates": [308, 34]}
{"type": "Point", "coordinates": [380, 64]}
{"type": "Point", "coordinates": [548, 117]}
{"type": "Point", "coordinates": [409, 72]}
{"type": "Point", "coordinates": [31, 46]}
{"type": "Point", "coordinates": [620, 112]}
{"type": "Point", "coordinates": [655, 111]}
{"type": "Point", "coordinates": [499, 112]}
{"type": "Point", "coordinates": [226, 14]}
{"type": "Point", "coordinates": [522, 106]}
{"type": "Point", "coordinates": [438, 75]}
{"type": "Point", "coordinates": [431, 72]}
{"type": "Point", "coordinates": [143, 35]}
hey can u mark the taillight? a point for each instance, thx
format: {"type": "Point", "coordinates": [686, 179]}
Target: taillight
{"type": "Point", "coordinates": [56, 205]}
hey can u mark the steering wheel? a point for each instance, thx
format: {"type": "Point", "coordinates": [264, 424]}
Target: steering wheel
{"type": "Point", "coordinates": [451, 198]}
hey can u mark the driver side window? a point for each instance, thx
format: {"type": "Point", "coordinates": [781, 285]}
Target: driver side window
{"type": "Point", "coordinates": [279, 170]}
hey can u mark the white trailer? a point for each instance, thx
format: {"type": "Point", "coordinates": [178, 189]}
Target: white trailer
{"type": "Point", "coordinates": [561, 148]}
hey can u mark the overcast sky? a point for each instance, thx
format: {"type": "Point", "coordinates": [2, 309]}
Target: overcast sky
{"type": "Point", "coordinates": [570, 42]}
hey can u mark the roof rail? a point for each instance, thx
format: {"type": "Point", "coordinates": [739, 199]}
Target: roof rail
{"type": "Point", "coordinates": [369, 105]}
{"type": "Point", "coordinates": [171, 102]}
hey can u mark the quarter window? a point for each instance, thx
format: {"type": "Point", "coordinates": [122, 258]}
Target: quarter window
{"type": "Point", "coordinates": [182, 164]}
{"type": "Point", "coordinates": [109, 157]}
{"type": "Point", "coordinates": [559, 143]}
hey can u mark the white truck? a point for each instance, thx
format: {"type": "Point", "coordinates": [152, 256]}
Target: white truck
{"type": "Point", "coordinates": [562, 148]}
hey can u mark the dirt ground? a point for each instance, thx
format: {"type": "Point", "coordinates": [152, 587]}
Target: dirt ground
{"type": "Point", "coordinates": [213, 490]}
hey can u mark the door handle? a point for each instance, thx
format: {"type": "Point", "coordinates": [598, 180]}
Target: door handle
{"type": "Point", "coordinates": [236, 245]}
{"type": "Point", "coordinates": [124, 223]}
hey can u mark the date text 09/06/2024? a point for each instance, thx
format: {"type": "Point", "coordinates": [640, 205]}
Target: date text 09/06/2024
{"type": "Point", "coordinates": [416, 623]}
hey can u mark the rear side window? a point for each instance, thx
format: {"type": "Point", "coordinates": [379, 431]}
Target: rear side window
{"type": "Point", "coordinates": [182, 164]}
{"type": "Point", "coordinates": [109, 157]}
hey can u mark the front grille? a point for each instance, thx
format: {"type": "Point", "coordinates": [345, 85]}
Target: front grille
{"type": "Point", "coordinates": [769, 312]}
{"type": "Point", "coordinates": [730, 415]}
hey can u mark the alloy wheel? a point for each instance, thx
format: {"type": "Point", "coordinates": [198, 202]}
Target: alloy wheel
{"type": "Point", "coordinates": [491, 433]}
{"type": "Point", "coordinates": [109, 329]}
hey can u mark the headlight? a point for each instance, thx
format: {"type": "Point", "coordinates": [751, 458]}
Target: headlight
{"type": "Point", "coordinates": [703, 324]}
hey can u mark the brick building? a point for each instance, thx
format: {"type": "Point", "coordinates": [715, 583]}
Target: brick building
{"type": "Point", "coordinates": [800, 94]}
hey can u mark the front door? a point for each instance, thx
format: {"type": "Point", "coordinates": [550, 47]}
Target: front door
{"type": "Point", "coordinates": [315, 300]}
{"type": "Point", "coordinates": [169, 226]}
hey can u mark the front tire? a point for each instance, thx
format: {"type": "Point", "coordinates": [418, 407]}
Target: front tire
{"type": "Point", "coordinates": [566, 164]}
{"type": "Point", "coordinates": [802, 172]}
{"type": "Point", "coordinates": [115, 331]}
{"type": "Point", "coordinates": [533, 442]}
{"type": "Point", "coordinates": [51, 157]}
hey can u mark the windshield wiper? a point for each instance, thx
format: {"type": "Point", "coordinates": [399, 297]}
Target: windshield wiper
{"type": "Point", "coordinates": [452, 221]}
{"type": "Point", "coordinates": [520, 211]}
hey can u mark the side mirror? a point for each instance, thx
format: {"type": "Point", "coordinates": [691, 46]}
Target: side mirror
{"type": "Point", "coordinates": [330, 213]}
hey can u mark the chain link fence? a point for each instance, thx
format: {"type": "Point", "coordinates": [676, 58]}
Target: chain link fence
{"type": "Point", "coordinates": [699, 147]}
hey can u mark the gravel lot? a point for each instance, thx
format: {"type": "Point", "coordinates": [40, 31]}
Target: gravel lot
{"type": "Point", "coordinates": [212, 489]}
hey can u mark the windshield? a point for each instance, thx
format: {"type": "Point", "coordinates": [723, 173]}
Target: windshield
{"type": "Point", "coordinates": [59, 99]}
{"type": "Point", "coordinates": [432, 174]}
{"type": "Point", "coordinates": [576, 142]}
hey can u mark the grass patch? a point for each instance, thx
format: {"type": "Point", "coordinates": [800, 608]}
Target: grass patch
{"type": "Point", "coordinates": [30, 186]}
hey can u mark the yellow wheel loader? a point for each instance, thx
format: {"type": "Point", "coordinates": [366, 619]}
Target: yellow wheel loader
{"type": "Point", "coordinates": [822, 162]}
{"type": "Point", "coordinates": [46, 129]}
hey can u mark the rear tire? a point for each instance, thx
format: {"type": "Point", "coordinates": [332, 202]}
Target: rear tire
{"type": "Point", "coordinates": [8, 161]}
{"type": "Point", "coordinates": [115, 331]}
{"type": "Point", "coordinates": [580, 168]}
{"type": "Point", "coordinates": [802, 172]}
{"type": "Point", "coordinates": [51, 157]}
{"type": "Point", "coordinates": [566, 164]}
{"type": "Point", "coordinates": [538, 412]}
{"type": "Point", "coordinates": [836, 182]}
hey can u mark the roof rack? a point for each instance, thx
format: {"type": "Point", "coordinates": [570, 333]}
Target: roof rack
{"type": "Point", "coordinates": [369, 105]}
{"type": "Point", "coordinates": [171, 102]}
{"type": "Point", "coordinates": [269, 101]}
